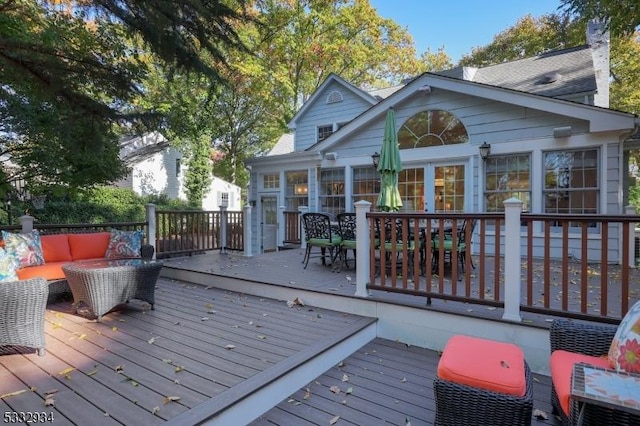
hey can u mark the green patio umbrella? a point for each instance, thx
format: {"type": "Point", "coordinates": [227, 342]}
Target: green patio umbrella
{"type": "Point", "coordinates": [389, 199]}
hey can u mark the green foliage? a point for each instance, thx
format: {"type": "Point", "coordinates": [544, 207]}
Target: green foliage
{"type": "Point", "coordinates": [98, 205]}
{"type": "Point", "coordinates": [198, 178]}
{"type": "Point", "coordinates": [623, 15]}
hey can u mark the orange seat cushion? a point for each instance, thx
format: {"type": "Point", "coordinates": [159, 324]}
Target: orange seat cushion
{"type": "Point", "coordinates": [88, 246]}
{"type": "Point", "coordinates": [48, 271]}
{"type": "Point", "coordinates": [484, 364]}
{"type": "Point", "coordinates": [561, 367]}
{"type": "Point", "coordinates": [55, 248]}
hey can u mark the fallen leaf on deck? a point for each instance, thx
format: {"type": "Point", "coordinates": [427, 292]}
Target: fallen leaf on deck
{"type": "Point", "coordinates": [155, 410]}
{"type": "Point", "coordinates": [491, 308]}
{"type": "Point", "coordinates": [349, 391]}
{"type": "Point", "coordinates": [345, 378]}
{"type": "Point", "coordinates": [404, 380]}
{"type": "Point", "coordinates": [230, 347]}
{"type": "Point", "coordinates": [295, 302]}
{"type": "Point", "coordinates": [49, 402]}
{"type": "Point", "coordinates": [66, 372]}
{"type": "Point", "coordinates": [151, 341]}
{"type": "Point", "coordinates": [12, 393]}
{"type": "Point", "coordinates": [179, 369]}
{"type": "Point", "coordinates": [119, 368]}
{"type": "Point", "coordinates": [334, 420]}
{"type": "Point", "coordinates": [204, 319]}
{"type": "Point", "coordinates": [168, 399]}
{"type": "Point", "coordinates": [114, 328]}
{"type": "Point", "coordinates": [335, 389]}
{"type": "Point", "coordinates": [262, 336]}
{"type": "Point", "coordinates": [92, 372]}
{"type": "Point", "coordinates": [168, 361]}
{"type": "Point", "coordinates": [307, 394]}
{"type": "Point", "coordinates": [540, 415]}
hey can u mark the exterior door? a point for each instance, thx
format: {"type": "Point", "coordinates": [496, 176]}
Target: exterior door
{"type": "Point", "coordinates": [448, 188]}
{"type": "Point", "coordinates": [269, 222]}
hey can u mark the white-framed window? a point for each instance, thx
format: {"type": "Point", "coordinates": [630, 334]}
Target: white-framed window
{"type": "Point", "coordinates": [507, 176]}
{"type": "Point", "coordinates": [324, 132]}
{"type": "Point", "coordinates": [297, 190]}
{"type": "Point", "coordinates": [178, 166]}
{"type": "Point", "coordinates": [331, 192]}
{"type": "Point", "coordinates": [223, 199]}
{"type": "Point", "coordinates": [571, 181]}
{"type": "Point", "coordinates": [271, 181]}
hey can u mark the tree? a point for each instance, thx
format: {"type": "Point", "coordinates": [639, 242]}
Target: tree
{"type": "Point", "coordinates": [301, 42]}
{"type": "Point", "coordinates": [70, 71]}
{"type": "Point", "coordinates": [438, 61]}
{"type": "Point", "coordinates": [198, 175]}
{"type": "Point", "coordinates": [622, 16]}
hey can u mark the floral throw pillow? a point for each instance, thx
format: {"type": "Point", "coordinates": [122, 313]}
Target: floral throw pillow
{"type": "Point", "coordinates": [25, 248]}
{"type": "Point", "coordinates": [624, 353]}
{"type": "Point", "coordinates": [7, 267]}
{"type": "Point", "coordinates": [124, 244]}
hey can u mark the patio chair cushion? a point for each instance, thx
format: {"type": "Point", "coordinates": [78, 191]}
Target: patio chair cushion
{"type": "Point", "coordinates": [561, 367]}
{"type": "Point", "coordinates": [25, 248]}
{"type": "Point", "coordinates": [497, 367]}
{"type": "Point", "coordinates": [326, 242]}
{"type": "Point", "coordinates": [624, 353]}
{"type": "Point", "coordinates": [123, 244]}
{"type": "Point", "coordinates": [349, 244]}
{"type": "Point", "coordinates": [8, 266]}
{"type": "Point", "coordinates": [55, 248]}
{"type": "Point", "coordinates": [89, 246]}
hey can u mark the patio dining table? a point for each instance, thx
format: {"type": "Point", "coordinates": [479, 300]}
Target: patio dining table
{"type": "Point", "coordinates": [99, 286]}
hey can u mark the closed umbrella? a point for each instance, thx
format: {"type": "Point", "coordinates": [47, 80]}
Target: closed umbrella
{"type": "Point", "coordinates": [389, 199]}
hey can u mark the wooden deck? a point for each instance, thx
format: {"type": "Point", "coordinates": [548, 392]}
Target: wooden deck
{"type": "Point", "coordinates": [195, 353]}
{"type": "Point", "coordinates": [203, 352]}
{"type": "Point", "coordinates": [386, 383]}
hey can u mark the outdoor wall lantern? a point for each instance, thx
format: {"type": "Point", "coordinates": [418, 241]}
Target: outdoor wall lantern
{"type": "Point", "coordinates": [375, 158]}
{"type": "Point", "coordinates": [485, 150]}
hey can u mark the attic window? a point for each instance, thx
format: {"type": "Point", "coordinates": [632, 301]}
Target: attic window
{"type": "Point", "coordinates": [334, 97]}
{"type": "Point", "coordinates": [550, 78]}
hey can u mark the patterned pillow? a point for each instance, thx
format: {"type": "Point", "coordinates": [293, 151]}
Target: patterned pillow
{"type": "Point", "coordinates": [7, 267]}
{"type": "Point", "coordinates": [25, 248]}
{"type": "Point", "coordinates": [124, 244]}
{"type": "Point", "coordinates": [624, 353]}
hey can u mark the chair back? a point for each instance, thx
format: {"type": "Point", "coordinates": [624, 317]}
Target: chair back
{"type": "Point", "coordinates": [462, 232]}
{"type": "Point", "coordinates": [347, 226]}
{"type": "Point", "coordinates": [317, 226]}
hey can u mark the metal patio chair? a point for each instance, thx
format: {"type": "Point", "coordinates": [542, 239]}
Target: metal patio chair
{"type": "Point", "coordinates": [318, 233]}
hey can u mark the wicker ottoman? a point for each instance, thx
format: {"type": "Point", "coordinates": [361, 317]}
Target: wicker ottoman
{"type": "Point", "coordinates": [481, 381]}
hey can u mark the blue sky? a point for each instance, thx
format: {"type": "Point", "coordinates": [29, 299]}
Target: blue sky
{"type": "Point", "coordinates": [458, 25]}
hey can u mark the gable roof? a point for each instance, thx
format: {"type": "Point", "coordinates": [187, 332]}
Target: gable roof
{"type": "Point", "coordinates": [134, 149]}
{"type": "Point", "coordinates": [599, 119]}
{"type": "Point", "coordinates": [555, 74]}
{"type": "Point", "coordinates": [331, 79]}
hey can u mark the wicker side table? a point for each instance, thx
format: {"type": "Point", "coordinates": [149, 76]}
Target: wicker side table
{"type": "Point", "coordinates": [104, 284]}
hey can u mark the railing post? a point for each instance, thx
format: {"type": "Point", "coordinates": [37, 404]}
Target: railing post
{"type": "Point", "coordinates": [281, 227]}
{"type": "Point", "coordinates": [223, 229]}
{"type": "Point", "coordinates": [246, 228]}
{"type": "Point", "coordinates": [512, 260]}
{"type": "Point", "coordinates": [362, 247]}
{"type": "Point", "coordinates": [27, 223]}
{"type": "Point", "coordinates": [631, 211]}
{"type": "Point", "coordinates": [303, 235]}
{"type": "Point", "coordinates": [151, 227]}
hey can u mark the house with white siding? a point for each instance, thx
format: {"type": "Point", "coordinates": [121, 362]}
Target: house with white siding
{"type": "Point", "coordinates": [552, 142]}
{"type": "Point", "coordinates": [157, 168]}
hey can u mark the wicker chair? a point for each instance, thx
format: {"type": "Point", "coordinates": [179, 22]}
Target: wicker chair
{"type": "Point", "coordinates": [586, 339]}
{"type": "Point", "coordinates": [22, 309]}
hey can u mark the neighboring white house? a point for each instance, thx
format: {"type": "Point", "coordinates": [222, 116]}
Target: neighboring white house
{"type": "Point", "coordinates": [157, 168]}
{"type": "Point", "coordinates": [554, 143]}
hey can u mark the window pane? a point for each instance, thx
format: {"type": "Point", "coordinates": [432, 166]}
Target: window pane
{"type": "Point", "coordinates": [297, 190]}
{"type": "Point", "coordinates": [431, 128]}
{"type": "Point", "coordinates": [571, 182]}
{"type": "Point", "coordinates": [331, 191]}
{"type": "Point", "coordinates": [506, 177]}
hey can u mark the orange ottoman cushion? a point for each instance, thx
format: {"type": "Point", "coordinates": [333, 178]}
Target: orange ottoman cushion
{"type": "Point", "coordinates": [484, 364]}
{"type": "Point", "coordinates": [561, 367]}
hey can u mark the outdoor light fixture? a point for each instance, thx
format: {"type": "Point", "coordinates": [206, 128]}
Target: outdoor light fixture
{"type": "Point", "coordinates": [562, 132]}
{"type": "Point", "coordinates": [331, 156]}
{"type": "Point", "coordinates": [485, 150]}
{"type": "Point", "coordinates": [375, 158]}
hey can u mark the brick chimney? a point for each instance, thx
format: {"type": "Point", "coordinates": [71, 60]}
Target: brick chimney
{"type": "Point", "coordinates": [598, 41]}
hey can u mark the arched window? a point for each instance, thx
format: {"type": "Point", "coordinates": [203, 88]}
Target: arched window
{"type": "Point", "coordinates": [432, 128]}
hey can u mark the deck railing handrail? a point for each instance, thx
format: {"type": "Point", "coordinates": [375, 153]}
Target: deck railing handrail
{"type": "Point", "coordinates": [505, 256]}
